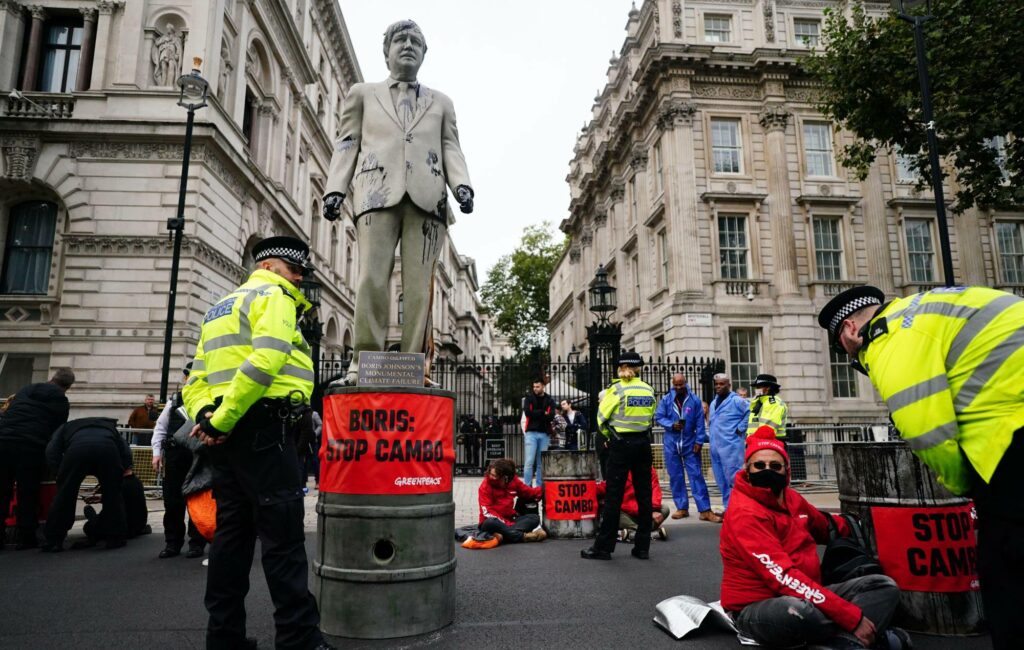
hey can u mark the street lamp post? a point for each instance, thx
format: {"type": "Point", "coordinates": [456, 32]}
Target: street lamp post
{"type": "Point", "coordinates": [903, 9]}
{"type": "Point", "coordinates": [194, 90]}
{"type": "Point", "coordinates": [603, 337]}
{"type": "Point", "coordinates": [312, 330]}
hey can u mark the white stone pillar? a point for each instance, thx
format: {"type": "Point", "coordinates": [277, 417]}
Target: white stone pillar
{"type": "Point", "coordinates": [135, 44]}
{"type": "Point", "coordinates": [88, 46]}
{"type": "Point", "coordinates": [774, 120]}
{"type": "Point", "coordinates": [99, 61]}
{"type": "Point", "coordinates": [876, 231]}
{"type": "Point", "coordinates": [676, 120]}
{"type": "Point", "coordinates": [12, 30]}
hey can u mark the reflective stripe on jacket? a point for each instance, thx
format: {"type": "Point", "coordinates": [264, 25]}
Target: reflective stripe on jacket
{"type": "Point", "coordinates": [250, 347]}
{"type": "Point", "coordinates": [772, 412]}
{"type": "Point", "coordinates": [627, 407]}
{"type": "Point", "coordinates": [951, 370]}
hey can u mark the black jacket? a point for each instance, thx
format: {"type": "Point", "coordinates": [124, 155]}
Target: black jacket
{"type": "Point", "coordinates": [98, 433]}
{"type": "Point", "coordinates": [540, 411]}
{"type": "Point", "coordinates": [36, 412]}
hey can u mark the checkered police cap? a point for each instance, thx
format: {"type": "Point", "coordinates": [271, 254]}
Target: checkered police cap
{"type": "Point", "coordinates": [847, 303]}
{"type": "Point", "coordinates": [291, 250]}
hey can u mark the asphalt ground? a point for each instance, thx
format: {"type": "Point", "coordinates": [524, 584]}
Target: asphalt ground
{"type": "Point", "coordinates": [527, 595]}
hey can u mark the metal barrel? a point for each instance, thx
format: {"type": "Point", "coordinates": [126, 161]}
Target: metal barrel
{"type": "Point", "coordinates": [569, 484]}
{"type": "Point", "coordinates": [385, 564]}
{"type": "Point", "coordinates": [905, 510]}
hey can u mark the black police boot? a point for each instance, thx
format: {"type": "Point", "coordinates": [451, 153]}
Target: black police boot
{"type": "Point", "coordinates": [194, 552]}
{"type": "Point", "coordinates": [169, 551]}
{"type": "Point", "coordinates": [594, 554]}
{"type": "Point", "coordinates": [640, 555]}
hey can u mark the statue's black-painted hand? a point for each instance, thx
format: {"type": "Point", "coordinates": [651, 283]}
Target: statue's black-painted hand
{"type": "Point", "coordinates": [332, 205]}
{"type": "Point", "coordinates": [464, 194]}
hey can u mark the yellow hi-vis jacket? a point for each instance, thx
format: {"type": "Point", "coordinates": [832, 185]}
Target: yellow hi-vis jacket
{"type": "Point", "coordinates": [949, 364]}
{"type": "Point", "coordinates": [249, 348]}
{"type": "Point", "coordinates": [628, 407]}
{"type": "Point", "coordinates": [773, 413]}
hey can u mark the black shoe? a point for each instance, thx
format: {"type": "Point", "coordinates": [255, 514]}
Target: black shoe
{"type": "Point", "coordinates": [49, 547]}
{"type": "Point", "coordinates": [193, 553]}
{"type": "Point", "coordinates": [894, 639]}
{"type": "Point", "coordinates": [594, 554]}
{"type": "Point", "coordinates": [169, 551]}
{"type": "Point", "coordinates": [111, 544]}
{"type": "Point", "coordinates": [640, 555]}
{"type": "Point", "coordinates": [89, 512]}
{"type": "Point", "coordinates": [146, 530]}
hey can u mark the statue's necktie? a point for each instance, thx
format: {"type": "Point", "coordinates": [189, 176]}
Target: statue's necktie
{"type": "Point", "coordinates": [406, 103]}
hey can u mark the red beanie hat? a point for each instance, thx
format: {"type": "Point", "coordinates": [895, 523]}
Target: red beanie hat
{"type": "Point", "coordinates": [764, 438]}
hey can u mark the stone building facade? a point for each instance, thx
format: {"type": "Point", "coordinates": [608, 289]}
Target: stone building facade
{"type": "Point", "coordinates": [91, 147]}
{"type": "Point", "coordinates": [708, 186]}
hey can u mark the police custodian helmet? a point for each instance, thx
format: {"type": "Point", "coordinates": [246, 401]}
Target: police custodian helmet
{"type": "Point", "coordinates": [290, 249]}
{"type": "Point", "coordinates": [630, 359]}
{"type": "Point", "coordinates": [844, 305]}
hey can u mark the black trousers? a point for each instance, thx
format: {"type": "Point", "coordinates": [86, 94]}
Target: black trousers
{"type": "Point", "coordinates": [177, 461]}
{"type": "Point", "coordinates": [510, 534]}
{"type": "Point", "coordinates": [630, 455]}
{"type": "Point", "coordinates": [1000, 505]}
{"type": "Point", "coordinates": [26, 467]}
{"type": "Point", "coordinates": [103, 462]}
{"type": "Point", "coordinates": [259, 494]}
{"type": "Point", "coordinates": [136, 512]}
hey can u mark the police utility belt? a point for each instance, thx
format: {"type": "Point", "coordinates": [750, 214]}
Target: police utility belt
{"type": "Point", "coordinates": [271, 421]}
{"type": "Point", "coordinates": [632, 435]}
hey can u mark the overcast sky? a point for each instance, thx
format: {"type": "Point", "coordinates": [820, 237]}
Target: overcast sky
{"type": "Point", "coordinates": [523, 76]}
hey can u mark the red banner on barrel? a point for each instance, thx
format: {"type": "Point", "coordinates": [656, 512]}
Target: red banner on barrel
{"type": "Point", "coordinates": [928, 549]}
{"type": "Point", "coordinates": [387, 443]}
{"type": "Point", "coordinates": [570, 500]}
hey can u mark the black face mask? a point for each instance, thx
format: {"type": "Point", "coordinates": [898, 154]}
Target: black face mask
{"type": "Point", "coordinates": [768, 479]}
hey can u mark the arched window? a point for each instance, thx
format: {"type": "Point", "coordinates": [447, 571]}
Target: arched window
{"type": "Point", "coordinates": [401, 309]}
{"type": "Point", "coordinates": [28, 249]}
{"type": "Point", "coordinates": [335, 249]}
{"type": "Point", "coordinates": [348, 264]}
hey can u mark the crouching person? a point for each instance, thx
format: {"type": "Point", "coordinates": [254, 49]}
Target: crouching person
{"type": "Point", "coordinates": [630, 511]}
{"type": "Point", "coordinates": [497, 496]}
{"type": "Point", "coordinates": [771, 582]}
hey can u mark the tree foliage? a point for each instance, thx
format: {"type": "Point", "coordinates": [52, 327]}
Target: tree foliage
{"type": "Point", "coordinates": [516, 290]}
{"type": "Point", "coordinates": [976, 64]}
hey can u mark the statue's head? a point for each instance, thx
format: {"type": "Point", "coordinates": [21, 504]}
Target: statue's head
{"type": "Point", "coordinates": [170, 28]}
{"type": "Point", "coordinates": [404, 47]}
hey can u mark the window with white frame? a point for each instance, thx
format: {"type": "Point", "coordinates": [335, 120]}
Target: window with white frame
{"type": "Point", "coordinates": [1010, 241]}
{"type": "Point", "coordinates": [998, 144]}
{"type": "Point", "coordinates": [717, 29]}
{"type": "Point", "coordinates": [828, 248]}
{"type": "Point", "coordinates": [733, 252]}
{"type": "Point", "coordinates": [818, 148]}
{"type": "Point", "coordinates": [28, 249]}
{"type": "Point", "coordinates": [726, 146]}
{"type": "Point", "coordinates": [744, 356]}
{"type": "Point", "coordinates": [659, 170]}
{"type": "Point", "coordinates": [807, 31]}
{"type": "Point", "coordinates": [920, 251]}
{"type": "Point", "coordinates": [663, 258]}
{"type": "Point", "coordinates": [634, 268]}
{"type": "Point", "coordinates": [632, 200]}
{"type": "Point", "coordinates": [904, 168]}
{"type": "Point", "coordinates": [844, 377]}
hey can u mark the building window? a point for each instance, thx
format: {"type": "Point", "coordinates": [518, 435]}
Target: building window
{"type": "Point", "coordinates": [818, 148]}
{"type": "Point", "coordinates": [28, 249]}
{"type": "Point", "coordinates": [998, 145]}
{"type": "Point", "coordinates": [249, 118]}
{"type": "Point", "coordinates": [659, 171]}
{"type": "Point", "coordinates": [659, 348]}
{"type": "Point", "coordinates": [844, 377]}
{"type": "Point", "coordinates": [1011, 251]}
{"type": "Point", "coordinates": [717, 29]}
{"type": "Point", "coordinates": [726, 146]}
{"type": "Point", "coordinates": [634, 266]}
{"type": "Point", "coordinates": [732, 246]}
{"type": "Point", "coordinates": [920, 252]}
{"type": "Point", "coordinates": [61, 51]}
{"type": "Point", "coordinates": [904, 169]}
{"type": "Point", "coordinates": [807, 31]}
{"type": "Point", "coordinates": [348, 264]}
{"type": "Point", "coordinates": [632, 200]}
{"type": "Point", "coordinates": [744, 356]}
{"type": "Point", "coordinates": [401, 309]}
{"type": "Point", "coordinates": [828, 249]}
{"type": "Point", "coordinates": [663, 257]}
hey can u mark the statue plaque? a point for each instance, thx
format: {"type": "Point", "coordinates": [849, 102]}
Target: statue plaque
{"type": "Point", "coordinates": [391, 368]}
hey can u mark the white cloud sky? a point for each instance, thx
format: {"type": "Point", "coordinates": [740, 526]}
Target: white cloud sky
{"type": "Point", "coordinates": [523, 76]}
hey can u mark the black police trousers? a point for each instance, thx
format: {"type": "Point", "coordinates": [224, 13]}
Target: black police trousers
{"type": "Point", "coordinates": [628, 455]}
{"type": "Point", "coordinates": [258, 490]}
{"type": "Point", "coordinates": [26, 467]}
{"type": "Point", "coordinates": [177, 462]}
{"type": "Point", "coordinates": [103, 462]}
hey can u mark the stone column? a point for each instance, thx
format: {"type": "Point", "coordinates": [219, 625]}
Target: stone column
{"type": "Point", "coordinates": [35, 48]}
{"type": "Point", "coordinates": [88, 44]}
{"type": "Point", "coordinates": [968, 253]}
{"type": "Point", "coordinates": [774, 120]}
{"type": "Point", "coordinates": [676, 120]}
{"type": "Point", "coordinates": [265, 123]}
{"type": "Point", "coordinates": [99, 64]}
{"type": "Point", "coordinates": [876, 231]}
{"type": "Point", "coordinates": [132, 70]}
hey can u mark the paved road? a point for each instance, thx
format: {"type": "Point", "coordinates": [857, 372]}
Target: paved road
{"type": "Point", "coordinates": [530, 595]}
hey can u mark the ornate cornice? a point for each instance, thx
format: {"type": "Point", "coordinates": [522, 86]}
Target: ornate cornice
{"type": "Point", "coordinates": [88, 14]}
{"type": "Point", "coordinates": [774, 117]}
{"type": "Point", "coordinates": [19, 154]}
{"type": "Point", "coordinates": [618, 192]}
{"type": "Point", "coordinates": [574, 254]}
{"type": "Point", "coordinates": [675, 113]}
{"type": "Point", "coordinates": [108, 6]}
{"type": "Point", "coordinates": [638, 158]}
{"type": "Point", "coordinates": [586, 236]}
{"type": "Point", "coordinates": [120, 246]}
{"type": "Point", "coordinates": [37, 11]}
{"type": "Point", "coordinates": [600, 218]}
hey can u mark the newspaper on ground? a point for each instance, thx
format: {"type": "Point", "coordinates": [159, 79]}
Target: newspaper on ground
{"type": "Point", "coordinates": [681, 615]}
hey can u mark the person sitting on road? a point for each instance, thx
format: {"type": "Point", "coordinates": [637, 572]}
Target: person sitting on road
{"type": "Point", "coordinates": [136, 513]}
{"type": "Point", "coordinates": [497, 495]}
{"type": "Point", "coordinates": [630, 510]}
{"type": "Point", "coordinates": [771, 581]}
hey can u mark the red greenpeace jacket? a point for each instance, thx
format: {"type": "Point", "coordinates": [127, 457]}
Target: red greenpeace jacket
{"type": "Point", "coordinates": [499, 502]}
{"type": "Point", "coordinates": [769, 550]}
{"type": "Point", "coordinates": [629, 505]}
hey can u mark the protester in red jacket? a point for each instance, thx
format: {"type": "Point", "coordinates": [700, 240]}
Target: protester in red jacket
{"type": "Point", "coordinates": [630, 510]}
{"type": "Point", "coordinates": [497, 497]}
{"type": "Point", "coordinates": [771, 582]}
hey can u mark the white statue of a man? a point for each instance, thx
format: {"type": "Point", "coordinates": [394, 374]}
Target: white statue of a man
{"type": "Point", "coordinates": [166, 57]}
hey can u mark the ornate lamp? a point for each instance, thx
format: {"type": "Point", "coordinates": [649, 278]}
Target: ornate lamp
{"type": "Point", "coordinates": [904, 7]}
{"type": "Point", "coordinates": [602, 296]}
{"type": "Point", "coordinates": [194, 88]}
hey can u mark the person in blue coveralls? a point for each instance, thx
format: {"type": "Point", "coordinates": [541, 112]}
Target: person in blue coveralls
{"type": "Point", "coordinates": [727, 420]}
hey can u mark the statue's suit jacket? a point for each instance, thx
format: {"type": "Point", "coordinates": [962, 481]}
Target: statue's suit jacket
{"type": "Point", "coordinates": [382, 161]}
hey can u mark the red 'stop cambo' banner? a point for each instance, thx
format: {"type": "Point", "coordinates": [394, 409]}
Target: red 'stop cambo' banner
{"type": "Point", "coordinates": [570, 500]}
{"type": "Point", "coordinates": [387, 443]}
{"type": "Point", "coordinates": [928, 549]}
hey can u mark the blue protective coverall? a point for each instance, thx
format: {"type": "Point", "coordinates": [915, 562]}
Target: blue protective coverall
{"type": "Point", "coordinates": [679, 444]}
{"type": "Point", "coordinates": [728, 423]}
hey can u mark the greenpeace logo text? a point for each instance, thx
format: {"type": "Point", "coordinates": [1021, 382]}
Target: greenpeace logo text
{"type": "Point", "coordinates": [401, 481]}
{"type": "Point", "coordinates": [808, 592]}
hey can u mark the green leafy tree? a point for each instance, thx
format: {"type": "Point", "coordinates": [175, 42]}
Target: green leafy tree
{"type": "Point", "coordinates": [516, 290]}
{"type": "Point", "coordinates": [975, 53]}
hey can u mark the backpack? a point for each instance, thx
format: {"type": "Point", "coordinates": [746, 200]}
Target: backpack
{"type": "Point", "coordinates": [848, 557]}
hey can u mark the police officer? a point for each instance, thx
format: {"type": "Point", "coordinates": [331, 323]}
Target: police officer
{"type": "Point", "coordinates": [251, 381]}
{"type": "Point", "coordinates": [624, 418]}
{"type": "Point", "coordinates": [767, 408]}
{"type": "Point", "coordinates": [949, 364]}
